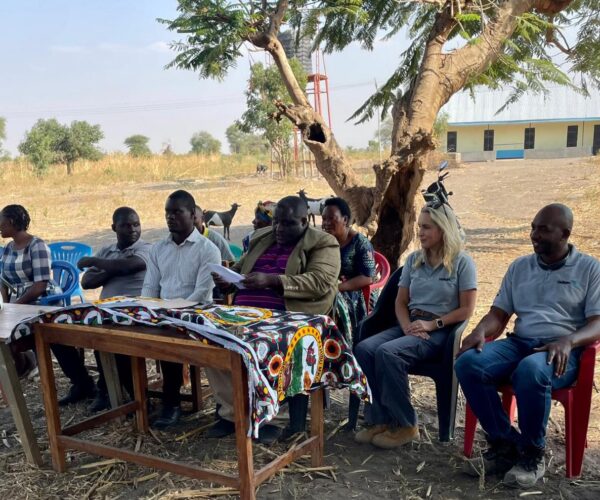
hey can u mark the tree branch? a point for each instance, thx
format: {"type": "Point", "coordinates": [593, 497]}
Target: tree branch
{"type": "Point", "coordinates": [277, 17]}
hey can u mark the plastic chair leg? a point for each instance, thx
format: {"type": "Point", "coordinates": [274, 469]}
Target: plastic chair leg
{"type": "Point", "coordinates": [509, 403]}
{"type": "Point", "coordinates": [470, 428]}
{"type": "Point", "coordinates": [353, 408]}
{"type": "Point", "coordinates": [446, 408]}
{"type": "Point", "coordinates": [298, 408]}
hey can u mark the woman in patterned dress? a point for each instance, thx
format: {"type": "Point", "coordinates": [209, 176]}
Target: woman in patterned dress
{"type": "Point", "coordinates": [26, 269]}
{"type": "Point", "coordinates": [358, 263]}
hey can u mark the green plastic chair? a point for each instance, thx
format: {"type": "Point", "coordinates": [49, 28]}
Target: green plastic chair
{"type": "Point", "coordinates": [236, 251]}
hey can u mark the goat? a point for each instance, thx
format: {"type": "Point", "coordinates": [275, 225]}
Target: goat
{"type": "Point", "coordinates": [315, 205]}
{"type": "Point", "coordinates": [212, 218]}
{"type": "Point", "coordinates": [261, 169]}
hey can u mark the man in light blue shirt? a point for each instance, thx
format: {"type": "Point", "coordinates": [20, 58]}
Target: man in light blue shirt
{"type": "Point", "coordinates": [178, 268]}
{"type": "Point", "coordinates": [555, 295]}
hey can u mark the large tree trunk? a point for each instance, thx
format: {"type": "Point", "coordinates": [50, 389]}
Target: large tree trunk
{"type": "Point", "coordinates": [70, 168]}
{"type": "Point", "coordinates": [387, 209]}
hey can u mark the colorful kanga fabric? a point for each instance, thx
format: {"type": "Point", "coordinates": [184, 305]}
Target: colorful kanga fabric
{"type": "Point", "coordinates": [285, 353]}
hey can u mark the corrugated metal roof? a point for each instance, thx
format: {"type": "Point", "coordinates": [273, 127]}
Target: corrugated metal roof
{"type": "Point", "coordinates": [562, 104]}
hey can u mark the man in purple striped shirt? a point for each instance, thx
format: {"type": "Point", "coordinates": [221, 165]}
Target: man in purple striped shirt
{"type": "Point", "coordinates": [289, 266]}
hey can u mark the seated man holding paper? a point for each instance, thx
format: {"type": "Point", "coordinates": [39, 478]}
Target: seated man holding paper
{"type": "Point", "coordinates": [289, 266]}
{"type": "Point", "coordinates": [178, 268]}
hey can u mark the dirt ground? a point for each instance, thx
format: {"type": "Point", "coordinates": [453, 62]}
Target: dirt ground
{"type": "Point", "coordinates": [495, 203]}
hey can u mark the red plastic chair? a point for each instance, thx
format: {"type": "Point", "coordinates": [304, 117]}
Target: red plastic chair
{"type": "Point", "coordinates": [576, 400]}
{"type": "Point", "coordinates": [383, 271]}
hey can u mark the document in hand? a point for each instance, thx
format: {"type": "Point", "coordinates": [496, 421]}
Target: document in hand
{"type": "Point", "coordinates": [227, 274]}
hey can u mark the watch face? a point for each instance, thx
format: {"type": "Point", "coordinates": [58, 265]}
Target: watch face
{"type": "Point", "coordinates": [439, 323]}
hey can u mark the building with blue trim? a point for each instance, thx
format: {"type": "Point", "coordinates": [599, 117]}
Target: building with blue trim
{"type": "Point", "coordinates": [562, 124]}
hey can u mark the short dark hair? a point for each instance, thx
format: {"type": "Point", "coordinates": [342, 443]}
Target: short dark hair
{"type": "Point", "coordinates": [122, 213]}
{"type": "Point", "coordinates": [18, 216]}
{"type": "Point", "coordinates": [186, 198]}
{"type": "Point", "coordinates": [296, 204]}
{"type": "Point", "coordinates": [342, 206]}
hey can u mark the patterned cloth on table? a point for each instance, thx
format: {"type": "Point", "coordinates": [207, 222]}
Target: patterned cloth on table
{"type": "Point", "coordinates": [285, 352]}
{"type": "Point", "coordinates": [357, 260]}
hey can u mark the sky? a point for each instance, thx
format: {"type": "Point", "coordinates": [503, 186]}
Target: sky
{"type": "Point", "coordinates": [103, 61]}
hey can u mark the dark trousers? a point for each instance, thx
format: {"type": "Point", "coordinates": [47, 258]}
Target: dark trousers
{"type": "Point", "coordinates": [385, 359]}
{"type": "Point", "coordinates": [172, 381]}
{"type": "Point", "coordinates": [123, 368]}
{"type": "Point", "coordinates": [513, 360]}
{"type": "Point", "coordinates": [72, 364]}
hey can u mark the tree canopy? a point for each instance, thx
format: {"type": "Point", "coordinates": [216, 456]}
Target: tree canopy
{"type": "Point", "coordinates": [525, 45]}
{"type": "Point", "coordinates": [265, 88]}
{"type": "Point", "coordinates": [243, 143]}
{"type": "Point", "coordinates": [49, 143]}
{"type": "Point", "coordinates": [204, 144]}
{"type": "Point", "coordinates": [138, 145]}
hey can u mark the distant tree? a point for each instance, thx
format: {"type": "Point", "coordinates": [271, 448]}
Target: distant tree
{"type": "Point", "coordinates": [265, 89]}
{"type": "Point", "coordinates": [167, 150]}
{"type": "Point", "coordinates": [440, 125]}
{"type": "Point", "coordinates": [243, 143]}
{"type": "Point", "coordinates": [3, 154]}
{"type": "Point", "coordinates": [373, 146]}
{"type": "Point", "coordinates": [205, 144]}
{"type": "Point", "coordinates": [138, 145]}
{"type": "Point", "coordinates": [49, 143]}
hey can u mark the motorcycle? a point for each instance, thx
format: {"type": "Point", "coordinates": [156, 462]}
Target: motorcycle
{"type": "Point", "coordinates": [436, 194]}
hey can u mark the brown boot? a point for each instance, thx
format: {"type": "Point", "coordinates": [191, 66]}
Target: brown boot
{"type": "Point", "coordinates": [393, 438]}
{"type": "Point", "coordinates": [366, 435]}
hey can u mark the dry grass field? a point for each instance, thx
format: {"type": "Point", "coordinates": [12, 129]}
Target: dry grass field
{"type": "Point", "coordinates": [495, 203]}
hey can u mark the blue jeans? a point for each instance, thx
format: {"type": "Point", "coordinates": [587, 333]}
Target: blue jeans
{"type": "Point", "coordinates": [385, 359]}
{"type": "Point", "coordinates": [512, 360]}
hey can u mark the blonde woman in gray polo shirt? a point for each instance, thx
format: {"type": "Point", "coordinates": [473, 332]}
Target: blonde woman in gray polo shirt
{"type": "Point", "coordinates": [437, 289]}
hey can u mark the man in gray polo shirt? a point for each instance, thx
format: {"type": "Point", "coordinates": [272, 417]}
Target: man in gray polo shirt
{"type": "Point", "coordinates": [119, 269]}
{"type": "Point", "coordinates": [555, 295]}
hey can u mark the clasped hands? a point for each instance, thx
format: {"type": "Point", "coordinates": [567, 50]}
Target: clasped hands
{"type": "Point", "coordinates": [420, 328]}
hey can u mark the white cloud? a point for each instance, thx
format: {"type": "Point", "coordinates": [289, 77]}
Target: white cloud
{"type": "Point", "coordinates": [112, 47]}
{"type": "Point", "coordinates": [69, 49]}
{"type": "Point", "coordinates": [161, 47]}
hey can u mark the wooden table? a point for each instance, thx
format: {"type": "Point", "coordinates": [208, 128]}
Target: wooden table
{"type": "Point", "coordinates": [10, 316]}
{"type": "Point", "coordinates": [145, 342]}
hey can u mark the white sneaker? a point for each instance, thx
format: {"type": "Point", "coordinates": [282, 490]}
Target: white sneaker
{"type": "Point", "coordinates": [526, 472]}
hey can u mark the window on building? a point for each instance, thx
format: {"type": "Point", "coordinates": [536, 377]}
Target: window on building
{"type": "Point", "coordinates": [529, 138]}
{"type": "Point", "coordinates": [488, 140]}
{"type": "Point", "coordinates": [572, 131]}
{"type": "Point", "coordinates": [451, 142]}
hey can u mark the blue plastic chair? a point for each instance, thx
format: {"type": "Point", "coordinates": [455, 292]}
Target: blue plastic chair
{"type": "Point", "coordinates": [71, 252]}
{"type": "Point", "coordinates": [236, 251]}
{"type": "Point", "coordinates": [66, 276]}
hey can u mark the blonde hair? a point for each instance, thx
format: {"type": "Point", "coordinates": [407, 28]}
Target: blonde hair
{"type": "Point", "coordinates": [453, 236]}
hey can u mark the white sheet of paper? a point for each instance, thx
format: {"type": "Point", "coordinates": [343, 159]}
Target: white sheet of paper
{"type": "Point", "coordinates": [227, 274]}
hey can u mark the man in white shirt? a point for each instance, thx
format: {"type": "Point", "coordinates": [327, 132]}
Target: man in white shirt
{"type": "Point", "coordinates": [178, 268]}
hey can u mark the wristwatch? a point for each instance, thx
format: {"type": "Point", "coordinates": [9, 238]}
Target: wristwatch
{"type": "Point", "coordinates": [439, 323]}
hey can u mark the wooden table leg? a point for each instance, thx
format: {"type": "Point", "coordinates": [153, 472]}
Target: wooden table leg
{"type": "Point", "coordinates": [50, 402]}
{"type": "Point", "coordinates": [140, 386]}
{"type": "Point", "coordinates": [316, 425]}
{"type": "Point", "coordinates": [111, 375]}
{"type": "Point", "coordinates": [196, 376]}
{"type": "Point", "coordinates": [13, 395]}
{"type": "Point", "coordinates": [239, 379]}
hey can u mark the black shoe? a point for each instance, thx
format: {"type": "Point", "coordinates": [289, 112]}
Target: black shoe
{"type": "Point", "coordinates": [497, 459]}
{"type": "Point", "coordinates": [78, 393]}
{"type": "Point", "coordinates": [268, 434]}
{"type": "Point", "coordinates": [221, 429]}
{"type": "Point", "coordinates": [169, 417]}
{"type": "Point", "coordinates": [100, 403]}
